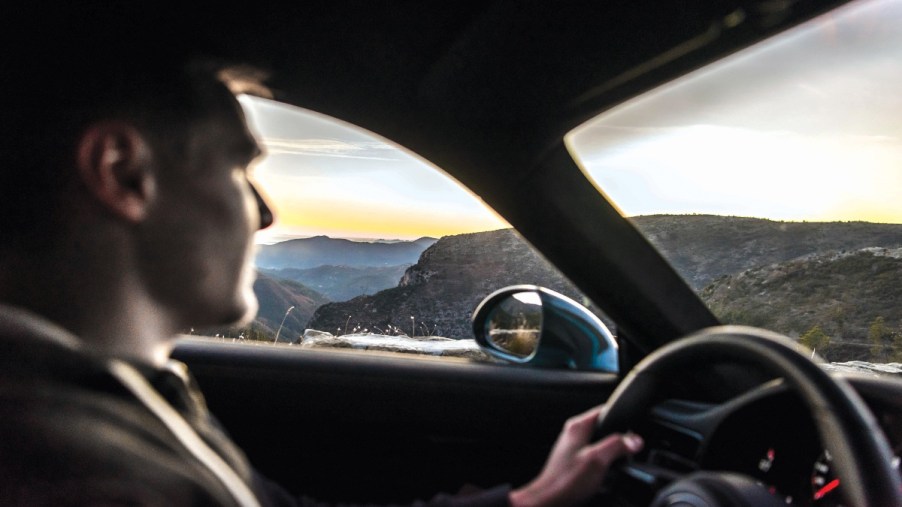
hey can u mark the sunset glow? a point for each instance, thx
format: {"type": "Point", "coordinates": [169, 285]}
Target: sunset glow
{"type": "Point", "coordinates": [325, 177]}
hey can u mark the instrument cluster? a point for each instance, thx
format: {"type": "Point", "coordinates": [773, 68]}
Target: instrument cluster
{"type": "Point", "coordinates": [774, 440]}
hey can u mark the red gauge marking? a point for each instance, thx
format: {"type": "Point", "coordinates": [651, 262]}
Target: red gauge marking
{"type": "Point", "coordinates": [830, 486]}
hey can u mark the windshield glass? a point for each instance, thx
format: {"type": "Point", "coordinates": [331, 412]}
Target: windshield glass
{"type": "Point", "coordinates": [770, 180]}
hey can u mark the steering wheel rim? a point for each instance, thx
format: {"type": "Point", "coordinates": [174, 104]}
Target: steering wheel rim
{"type": "Point", "coordinates": [844, 423]}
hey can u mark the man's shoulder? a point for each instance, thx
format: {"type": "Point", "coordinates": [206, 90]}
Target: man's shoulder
{"type": "Point", "coordinates": [75, 440]}
{"type": "Point", "coordinates": [34, 349]}
{"type": "Point", "coordinates": [73, 435]}
{"type": "Point", "coordinates": [61, 441]}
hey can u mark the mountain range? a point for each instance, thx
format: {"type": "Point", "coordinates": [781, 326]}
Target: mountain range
{"type": "Point", "coordinates": [340, 283]}
{"type": "Point", "coordinates": [325, 251]}
{"type": "Point", "coordinates": [304, 274]}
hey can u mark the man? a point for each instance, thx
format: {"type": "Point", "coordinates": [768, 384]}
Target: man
{"type": "Point", "coordinates": [128, 215]}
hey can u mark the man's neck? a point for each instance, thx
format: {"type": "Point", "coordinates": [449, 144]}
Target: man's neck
{"type": "Point", "coordinates": [104, 307]}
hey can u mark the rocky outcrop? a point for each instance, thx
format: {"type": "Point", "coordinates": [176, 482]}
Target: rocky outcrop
{"type": "Point", "coordinates": [438, 294]}
{"type": "Point", "coordinates": [424, 345]}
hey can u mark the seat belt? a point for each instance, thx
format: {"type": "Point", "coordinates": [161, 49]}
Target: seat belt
{"type": "Point", "coordinates": [183, 432]}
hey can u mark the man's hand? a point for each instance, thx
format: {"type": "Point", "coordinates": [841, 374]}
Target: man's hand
{"type": "Point", "coordinates": [576, 468]}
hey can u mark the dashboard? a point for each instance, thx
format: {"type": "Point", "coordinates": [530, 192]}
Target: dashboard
{"type": "Point", "coordinates": [766, 434]}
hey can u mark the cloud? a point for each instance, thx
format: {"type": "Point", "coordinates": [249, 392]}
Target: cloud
{"type": "Point", "coordinates": [335, 148]}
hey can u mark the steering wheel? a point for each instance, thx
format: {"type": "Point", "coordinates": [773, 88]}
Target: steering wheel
{"type": "Point", "coordinates": [861, 454]}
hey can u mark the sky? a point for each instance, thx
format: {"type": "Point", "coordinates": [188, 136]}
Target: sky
{"type": "Point", "coordinates": [325, 177]}
{"type": "Point", "coordinates": [805, 126]}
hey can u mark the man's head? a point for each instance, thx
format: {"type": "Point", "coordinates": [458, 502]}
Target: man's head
{"type": "Point", "coordinates": [195, 240]}
{"type": "Point", "coordinates": [114, 138]}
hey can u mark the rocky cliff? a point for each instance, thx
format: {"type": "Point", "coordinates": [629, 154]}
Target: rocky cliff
{"type": "Point", "coordinates": [438, 294]}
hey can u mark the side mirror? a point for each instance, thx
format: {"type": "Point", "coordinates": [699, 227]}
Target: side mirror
{"type": "Point", "coordinates": [527, 324]}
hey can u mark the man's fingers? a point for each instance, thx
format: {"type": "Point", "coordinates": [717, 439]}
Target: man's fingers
{"type": "Point", "coordinates": [613, 447]}
{"type": "Point", "coordinates": [577, 431]}
{"type": "Point", "coordinates": [633, 442]}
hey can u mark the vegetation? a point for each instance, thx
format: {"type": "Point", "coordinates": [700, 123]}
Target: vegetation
{"type": "Point", "coordinates": [877, 336]}
{"type": "Point", "coordinates": [850, 297]}
{"type": "Point", "coordinates": [815, 338]}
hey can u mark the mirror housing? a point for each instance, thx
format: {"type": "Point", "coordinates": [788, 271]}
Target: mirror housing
{"type": "Point", "coordinates": [528, 324]}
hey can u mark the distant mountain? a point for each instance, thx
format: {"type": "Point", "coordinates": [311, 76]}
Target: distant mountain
{"type": "Point", "coordinates": [437, 296]}
{"type": "Point", "coordinates": [703, 247]}
{"type": "Point", "coordinates": [276, 296]}
{"type": "Point", "coordinates": [340, 283]}
{"type": "Point", "coordinates": [323, 250]}
{"type": "Point", "coordinates": [841, 292]}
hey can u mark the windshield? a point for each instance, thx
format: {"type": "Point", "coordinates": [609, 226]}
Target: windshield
{"type": "Point", "coordinates": [770, 180]}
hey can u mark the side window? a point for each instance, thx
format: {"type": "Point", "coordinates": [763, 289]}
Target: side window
{"type": "Point", "coordinates": [372, 247]}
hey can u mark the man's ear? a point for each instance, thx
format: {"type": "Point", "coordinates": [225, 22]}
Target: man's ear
{"type": "Point", "coordinates": [114, 163]}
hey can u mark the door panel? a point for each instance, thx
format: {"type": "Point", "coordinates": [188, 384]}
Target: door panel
{"type": "Point", "coordinates": [363, 427]}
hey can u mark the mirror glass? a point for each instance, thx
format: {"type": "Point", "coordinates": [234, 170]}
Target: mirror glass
{"type": "Point", "coordinates": [514, 325]}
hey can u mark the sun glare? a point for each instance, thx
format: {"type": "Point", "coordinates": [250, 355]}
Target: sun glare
{"type": "Point", "coordinates": [780, 175]}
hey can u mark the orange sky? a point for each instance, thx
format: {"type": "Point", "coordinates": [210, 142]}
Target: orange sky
{"type": "Point", "coordinates": [325, 177]}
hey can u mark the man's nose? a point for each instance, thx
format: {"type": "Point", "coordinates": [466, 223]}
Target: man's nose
{"type": "Point", "coordinates": [266, 214]}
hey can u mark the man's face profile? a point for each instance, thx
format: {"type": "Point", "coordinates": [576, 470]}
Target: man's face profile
{"type": "Point", "coordinates": [200, 234]}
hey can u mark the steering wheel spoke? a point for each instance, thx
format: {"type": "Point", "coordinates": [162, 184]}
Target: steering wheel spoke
{"type": "Point", "coordinates": [639, 482]}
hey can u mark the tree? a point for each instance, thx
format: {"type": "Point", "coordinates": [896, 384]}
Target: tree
{"type": "Point", "coordinates": [896, 355]}
{"type": "Point", "coordinates": [839, 315]}
{"type": "Point", "coordinates": [877, 335]}
{"type": "Point", "coordinates": [815, 338]}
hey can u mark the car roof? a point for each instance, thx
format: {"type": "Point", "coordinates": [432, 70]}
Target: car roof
{"type": "Point", "coordinates": [486, 90]}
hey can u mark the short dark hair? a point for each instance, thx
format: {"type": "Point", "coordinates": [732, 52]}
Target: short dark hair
{"type": "Point", "coordinates": [69, 69]}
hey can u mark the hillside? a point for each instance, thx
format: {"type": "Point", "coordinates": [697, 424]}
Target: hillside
{"type": "Point", "coordinates": [704, 247]}
{"type": "Point", "coordinates": [842, 292]}
{"type": "Point", "coordinates": [438, 295]}
{"type": "Point", "coordinates": [275, 297]}
{"type": "Point", "coordinates": [325, 251]}
{"type": "Point", "coordinates": [772, 274]}
{"type": "Point", "coordinates": [340, 283]}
